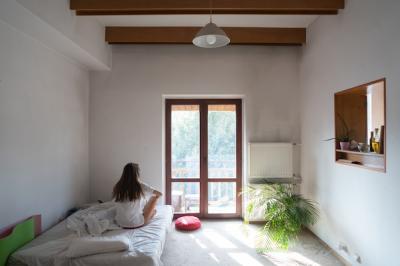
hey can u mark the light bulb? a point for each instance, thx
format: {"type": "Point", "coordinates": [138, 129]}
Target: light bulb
{"type": "Point", "coordinates": [211, 39]}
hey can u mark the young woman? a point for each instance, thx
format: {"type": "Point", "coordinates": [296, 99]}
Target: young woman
{"type": "Point", "coordinates": [135, 200]}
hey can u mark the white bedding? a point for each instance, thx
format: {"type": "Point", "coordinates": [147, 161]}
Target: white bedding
{"type": "Point", "coordinates": [147, 244]}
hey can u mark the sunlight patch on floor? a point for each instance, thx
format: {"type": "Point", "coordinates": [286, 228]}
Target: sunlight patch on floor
{"type": "Point", "coordinates": [289, 259]}
{"type": "Point", "coordinates": [242, 233]}
{"type": "Point", "coordinates": [218, 239]}
{"type": "Point", "coordinates": [214, 257]}
{"type": "Point", "coordinates": [198, 242]}
{"type": "Point", "coordinates": [244, 259]}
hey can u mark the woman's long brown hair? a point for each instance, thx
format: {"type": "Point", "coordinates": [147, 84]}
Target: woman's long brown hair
{"type": "Point", "coordinates": [128, 187]}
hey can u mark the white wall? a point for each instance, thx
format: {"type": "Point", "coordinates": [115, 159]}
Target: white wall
{"type": "Point", "coordinates": [43, 130]}
{"type": "Point", "coordinates": [126, 111]}
{"type": "Point", "coordinates": [86, 32]}
{"type": "Point", "coordinates": [359, 207]}
{"type": "Point", "coordinates": [53, 24]}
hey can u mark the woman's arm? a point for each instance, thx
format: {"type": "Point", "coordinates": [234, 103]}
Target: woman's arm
{"type": "Point", "coordinates": [150, 209]}
{"type": "Point", "coordinates": [157, 193]}
{"type": "Point", "coordinates": [150, 190]}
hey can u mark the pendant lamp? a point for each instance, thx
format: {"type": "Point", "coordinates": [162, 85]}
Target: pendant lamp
{"type": "Point", "coordinates": [211, 36]}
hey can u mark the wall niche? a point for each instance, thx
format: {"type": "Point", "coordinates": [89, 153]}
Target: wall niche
{"type": "Point", "coordinates": [360, 126]}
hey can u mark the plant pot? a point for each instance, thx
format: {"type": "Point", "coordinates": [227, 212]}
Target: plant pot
{"type": "Point", "coordinates": [337, 145]}
{"type": "Point", "coordinates": [345, 146]}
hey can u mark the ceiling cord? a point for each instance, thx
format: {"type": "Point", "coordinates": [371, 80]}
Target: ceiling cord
{"type": "Point", "coordinates": [210, 11]}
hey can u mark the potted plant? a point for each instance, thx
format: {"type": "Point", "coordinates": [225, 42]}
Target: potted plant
{"type": "Point", "coordinates": [344, 142]}
{"type": "Point", "coordinates": [344, 139]}
{"type": "Point", "coordinates": [285, 213]}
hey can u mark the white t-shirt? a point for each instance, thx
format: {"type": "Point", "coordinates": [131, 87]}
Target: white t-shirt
{"type": "Point", "coordinates": [130, 213]}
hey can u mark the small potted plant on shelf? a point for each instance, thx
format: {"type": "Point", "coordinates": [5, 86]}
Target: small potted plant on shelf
{"type": "Point", "coordinates": [344, 139]}
{"type": "Point", "coordinates": [344, 142]}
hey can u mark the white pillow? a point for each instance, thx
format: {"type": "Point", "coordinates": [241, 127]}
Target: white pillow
{"type": "Point", "coordinates": [85, 246]}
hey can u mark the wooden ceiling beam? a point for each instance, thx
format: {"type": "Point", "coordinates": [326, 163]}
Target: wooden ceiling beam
{"type": "Point", "coordinates": [202, 12]}
{"type": "Point", "coordinates": [151, 7]}
{"type": "Point", "coordinates": [184, 35]}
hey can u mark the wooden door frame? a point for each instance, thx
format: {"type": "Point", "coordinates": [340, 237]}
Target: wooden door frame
{"type": "Point", "coordinates": [204, 180]}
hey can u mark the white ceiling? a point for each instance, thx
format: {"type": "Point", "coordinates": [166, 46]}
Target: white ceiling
{"type": "Point", "coordinates": [295, 21]}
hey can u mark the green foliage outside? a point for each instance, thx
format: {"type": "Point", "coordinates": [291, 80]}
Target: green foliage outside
{"type": "Point", "coordinates": [222, 143]}
{"type": "Point", "coordinates": [186, 140]}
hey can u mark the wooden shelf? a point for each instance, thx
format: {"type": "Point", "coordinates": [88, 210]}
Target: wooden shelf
{"type": "Point", "coordinates": [362, 153]}
{"type": "Point", "coordinates": [369, 167]}
{"type": "Point", "coordinates": [367, 160]}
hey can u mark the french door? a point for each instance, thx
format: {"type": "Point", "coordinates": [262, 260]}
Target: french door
{"type": "Point", "coordinates": [204, 157]}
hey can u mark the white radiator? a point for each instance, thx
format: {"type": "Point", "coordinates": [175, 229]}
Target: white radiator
{"type": "Point", "coordinates": [270, 160]}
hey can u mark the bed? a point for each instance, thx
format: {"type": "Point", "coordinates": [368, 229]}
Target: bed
{"type": "Point", "coordinates": [147, 244]}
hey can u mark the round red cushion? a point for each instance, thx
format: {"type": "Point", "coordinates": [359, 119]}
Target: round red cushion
{"type": "Point", "coordinates": [187, 223]}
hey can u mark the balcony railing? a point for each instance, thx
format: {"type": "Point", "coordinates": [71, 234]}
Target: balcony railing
{"type": "Point", "coordinates": [216, 169]}
{"type": "Point", "coordinates": [185, 196]}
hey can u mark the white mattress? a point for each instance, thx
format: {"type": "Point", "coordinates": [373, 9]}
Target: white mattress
{"type": "Point", "coordinates": [147, 245]}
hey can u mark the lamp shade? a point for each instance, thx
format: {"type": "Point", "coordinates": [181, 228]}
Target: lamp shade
{"type": "Point", "coordinates": [210, 36]}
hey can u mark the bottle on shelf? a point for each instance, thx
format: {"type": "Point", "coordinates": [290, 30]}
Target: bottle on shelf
{"type": "Point", "coordinates": [371, 142]}
{"type": "Point", "coordinates": [377, 134]}
{"type": "Point", "coordinates": [382, 140]}
{"type": "Point", "coordinates": [375, 143]}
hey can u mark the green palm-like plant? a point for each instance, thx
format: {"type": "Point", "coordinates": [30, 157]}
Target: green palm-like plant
{"type": "Point", "coordinates": [284, 211]}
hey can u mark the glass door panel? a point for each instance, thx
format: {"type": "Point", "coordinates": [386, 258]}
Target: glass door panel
{"type": "Point", "coordinates": [222, 141]}
{"type": "Point", "coordinates": [221, 197]}
{"type": "Point", "coordinates": [185, 141]}
{"type": "Point", "coordinates": [185, 197]}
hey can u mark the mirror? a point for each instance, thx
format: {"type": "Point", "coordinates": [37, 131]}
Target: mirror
{"type": "Point", "coordinates": [360, 125]}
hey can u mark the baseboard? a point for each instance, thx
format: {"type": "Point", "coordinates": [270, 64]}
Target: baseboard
{"type": "Point", "coordinates": [334, 253]}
